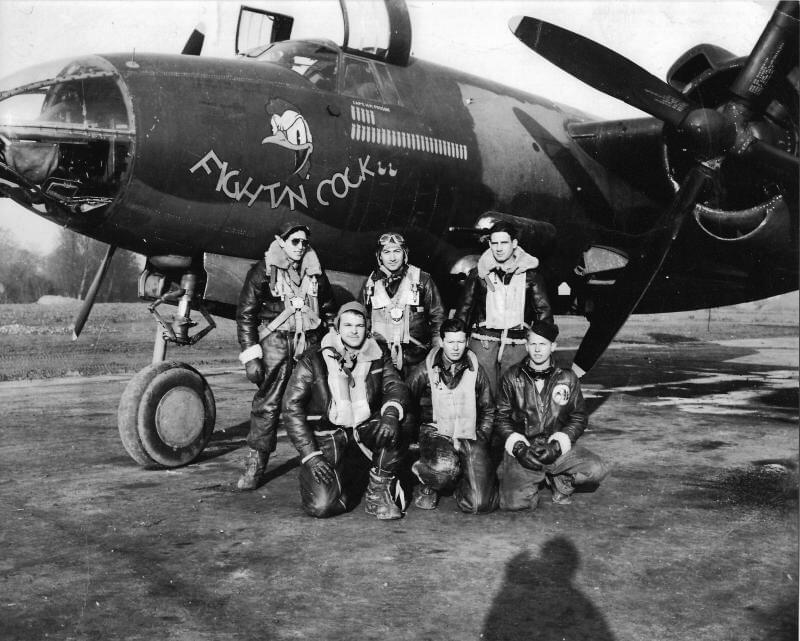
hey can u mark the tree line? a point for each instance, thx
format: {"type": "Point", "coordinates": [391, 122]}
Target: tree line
{"type": "Point", "coordinates": [68, 270]}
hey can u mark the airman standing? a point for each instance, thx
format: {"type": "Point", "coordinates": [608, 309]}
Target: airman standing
{"type": "Point", "coordinates": [501, 296]}
{"type": "Point", "coordinates": [403, 303]}
{"type": "Point", "coordinates": [282, 306]}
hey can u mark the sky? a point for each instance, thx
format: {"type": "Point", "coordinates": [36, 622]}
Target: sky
{"type": "Point", "coordinates": [473, 36]}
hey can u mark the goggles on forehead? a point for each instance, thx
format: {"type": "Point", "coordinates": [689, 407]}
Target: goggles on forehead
{"type": "Point", "coordinates": [391, 239]}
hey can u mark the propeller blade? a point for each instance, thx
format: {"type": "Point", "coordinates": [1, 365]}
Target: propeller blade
{"type": "Point", "coordinates": [88, 301]}
{"type": "Point", "coordinates": [194, 44]}
{"type": "Point", "coordinates": [602, 69]}
{"type": "Point", "coordinates": [631, 286]}
{"type": "Point", "coordinates": [774, 162]}
{"type": "Point", "coordinates": [773, 56]}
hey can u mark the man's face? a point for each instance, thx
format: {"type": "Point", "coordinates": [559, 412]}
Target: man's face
{"type": "Point", "coordinates": [353, 329]}
{"type": "Point", "coordinates": [539, 349]}
{"type": "Point", "coordinates": [502, 246]}
{"type": "Point", "coordinates": [392, 257]}
{"type": "Point", "coordinates": [295, 245]}
{"type": "Point", "coordinates": [454, 345]}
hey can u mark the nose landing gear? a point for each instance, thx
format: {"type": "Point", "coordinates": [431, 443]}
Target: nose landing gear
{"type": "Point", "coordinates": [167, 412]}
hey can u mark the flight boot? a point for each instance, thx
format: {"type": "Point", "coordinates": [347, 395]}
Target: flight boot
{"type": "Point", "coordinates": [378, 500]}
{"type": "Point", "coordinates": [254, 466]}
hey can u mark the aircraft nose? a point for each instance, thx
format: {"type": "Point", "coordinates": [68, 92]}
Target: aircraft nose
{"type": "Point", "coordinates": [65, 135]}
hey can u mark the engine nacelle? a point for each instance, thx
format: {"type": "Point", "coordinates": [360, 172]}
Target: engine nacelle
{"type": "Point", "coordinates": [744, 206]}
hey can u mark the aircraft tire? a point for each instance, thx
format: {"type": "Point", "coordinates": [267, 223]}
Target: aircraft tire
{"type": "Point", "coordinates": [166, 415]}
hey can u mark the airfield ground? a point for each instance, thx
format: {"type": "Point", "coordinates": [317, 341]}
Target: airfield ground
{"type": "Point", "coordinates": [694, 535]}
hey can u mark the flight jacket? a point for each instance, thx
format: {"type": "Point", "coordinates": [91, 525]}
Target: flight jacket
{"type": "Point", "coordinates": [518, 417]}
{"type": "Point", "coordinates": [424, 319]}
{"type": "Point", "coordinates": [419, 388]}
{"type": "Point", "coordinates": [472, 305]}
{"type": "Point", "coordinates": [307, 399]}
{"type": "Point", "coordinates": [257, 305]}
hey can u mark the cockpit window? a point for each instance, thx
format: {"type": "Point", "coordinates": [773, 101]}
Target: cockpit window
{"type": "Point", "coordinates": [359, 80]}
{"type": "Point", "coordinates": [316, 62]}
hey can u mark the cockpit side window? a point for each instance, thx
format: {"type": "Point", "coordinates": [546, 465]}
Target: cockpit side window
{"type": "Point", "coordinates": [314, 61]}
{"type": "Point", "coordinates": [388, 89]}
{"type": "Point", "coordinates": [359, 80]}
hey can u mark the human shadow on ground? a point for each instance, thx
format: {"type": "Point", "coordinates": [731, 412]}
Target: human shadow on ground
{"type": "Point", "coordinates": [538, 601]}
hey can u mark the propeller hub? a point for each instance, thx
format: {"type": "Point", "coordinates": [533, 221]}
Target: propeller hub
{"type": "Point", "coordinates": [710, 134]}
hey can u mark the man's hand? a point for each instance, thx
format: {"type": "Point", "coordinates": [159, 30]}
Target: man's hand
{"type": "Point", "coordinates": [548, 452]}
{"type": "Point", "coordinates": [254, 369]}
{"type": "Point", "coordinates": [389, 430]}
{"type": "Point", "coordinates": [524, 454]}
{"type": "Point", "coordinates": [321, 470]}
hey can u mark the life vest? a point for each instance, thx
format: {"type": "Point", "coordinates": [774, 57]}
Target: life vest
{"type": "Point", "coordinates": [301, 304]}
{"type": "Point", "coordinates": [349, 403]}
{"type": "Point", "coordinates": [455, 412]}
{"type": "Point", "coordinates": [390, 314]}
{"type": "Point", "coordinates": [505, 304]}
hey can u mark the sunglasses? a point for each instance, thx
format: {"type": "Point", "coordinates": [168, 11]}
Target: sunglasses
{"type": "Point", "coordinates": [299, 242]}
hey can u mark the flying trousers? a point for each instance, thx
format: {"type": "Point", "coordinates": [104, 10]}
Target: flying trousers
{"type": "Point", "coordinates": [258, 308]}
{"type": "Point", "coordinates": [556, 413]}
{"type": "Point", "coordinates": [453, 437]}
{"type": "Point", "coordinates": [310, 408]}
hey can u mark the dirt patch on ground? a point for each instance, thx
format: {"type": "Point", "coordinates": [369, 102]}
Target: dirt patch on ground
{"type": "Point", "coordinates": [693, 536]}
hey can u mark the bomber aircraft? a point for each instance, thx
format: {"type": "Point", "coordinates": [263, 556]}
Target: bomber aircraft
{"type": "Point", "coordinates": [194, 162]}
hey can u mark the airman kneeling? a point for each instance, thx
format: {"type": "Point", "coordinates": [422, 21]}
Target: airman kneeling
{"type": "Point", "coordinates": [343, 394]}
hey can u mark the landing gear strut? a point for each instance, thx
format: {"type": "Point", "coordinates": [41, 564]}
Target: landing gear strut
{"type": "Point", "coordinates": [167, 412]}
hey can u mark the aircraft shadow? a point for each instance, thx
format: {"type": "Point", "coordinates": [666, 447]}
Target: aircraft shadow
{"type": "Point", "coordinates": [538, 601]}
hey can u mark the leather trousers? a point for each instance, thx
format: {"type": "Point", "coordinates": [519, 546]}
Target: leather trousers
{"type": "Point", "coordinates": [344, 449]}
{"type": "Point", "coordinates": [278, 360]}
{"type": "Point", "coordinates": [468, 469]}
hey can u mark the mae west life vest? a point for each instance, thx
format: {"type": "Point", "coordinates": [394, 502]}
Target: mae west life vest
{"type": "Point", "coordinates": [349, 403]}
{"type": "Point", "coordinates": [455, 412]}
{"type": "Point", "coordinates": [391, 314]}
{"type": "Point", "coordinates": [301, 305]}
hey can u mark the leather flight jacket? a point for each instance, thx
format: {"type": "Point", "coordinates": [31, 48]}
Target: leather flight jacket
{"type": "Point", "coordinates": [258, 306]}
{"type": "Point", "coordinates": [307, 399]}
{"type": "Point", "coordinates": [472, 305]}
{"type": "Point", "coordinates": [419, 387]}
{"type": "Point", "coordinates": [559, 407]}
{"type": "Point", "coordinates": [424, 320]}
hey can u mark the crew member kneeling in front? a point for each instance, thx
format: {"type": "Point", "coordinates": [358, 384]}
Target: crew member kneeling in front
{"type": "Point", "coordinates": [346, 393]}
{"type": "Point", "coordinates": [540, 415]}
{"type": "Point", "coordinates": [455, 409]}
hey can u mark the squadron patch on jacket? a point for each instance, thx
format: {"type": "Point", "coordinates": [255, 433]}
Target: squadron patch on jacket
{"type": "Point", "coordinates": [561, 394]}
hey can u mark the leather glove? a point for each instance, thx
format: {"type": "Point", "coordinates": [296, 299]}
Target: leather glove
{"type": "Point", "coordinates": [480, 437]}
{"type": "Point", "coordinates": [389, 428]}
{"type": "Point", "coordinates": [321, 470]}
{"type": "Point", "coordinates": [548, 452]}
{"type": "Point", "coordinates": [254, 369]}
{"type": "Point", "coordinates": [524, 454]}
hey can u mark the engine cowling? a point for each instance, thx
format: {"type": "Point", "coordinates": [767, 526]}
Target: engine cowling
{"type": "Point", "coordinates": [743, 206]}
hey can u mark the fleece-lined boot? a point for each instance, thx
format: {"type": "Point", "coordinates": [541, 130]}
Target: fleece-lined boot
{"type": "Point", "coordinates": [378, 500]}
{"type": "Point", "coordinates": [255, 464]}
